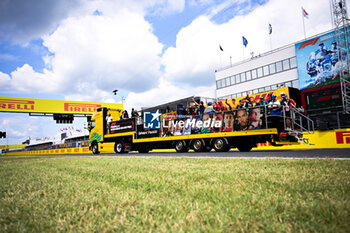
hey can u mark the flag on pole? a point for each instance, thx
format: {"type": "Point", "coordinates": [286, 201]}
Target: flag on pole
{"type": "Point", "coordinates": [270, 29]}
{"type": "Point", "coordinates": [305, 14]}
{"type": "Point", "coordinates": [245, 41]}
{"type": "Point", "coordinates": [221, 48]}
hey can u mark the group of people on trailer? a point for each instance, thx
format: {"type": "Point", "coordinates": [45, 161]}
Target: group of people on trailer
{"type": "Point", "coordinates": [247, 114]}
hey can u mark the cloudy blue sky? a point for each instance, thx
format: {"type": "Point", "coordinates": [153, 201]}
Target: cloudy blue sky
{"type": "Point", "coordinates": [152, 51]}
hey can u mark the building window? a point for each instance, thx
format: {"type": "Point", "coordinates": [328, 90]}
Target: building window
{"type": "Point", "coordinates": [278, 66]}
{"type": "Point", "coordinates": [272, 68]}
{"type": "Point", "coordinates": [254, 74]}
{"type": "Point", "coordinates": [234, 96]}
{"type": "Point", "coordinates": [238, 78]}
{"type": "Point", "coordinates": [260, 72]}
{"type": "Point", "coordinates": [286, 64]}
{"type": "Point", "coordinates": [244, 93]}
{"type": "Point", "coordinates": [243, 78]}
{"type": "Point", "coordinates": [268, 88]}
{"type": "Point", "coordinates": [288, 84]}
{"type": "Point", "coordinates": [233, 80]}
{"type": "Point", "coordinates": [293, 62]}
{"type": "Point", "coordinates": [223, 83]}
{"type": "Point", "coordinates": [218, 84]}
{"type": "Point", "coordinates": [261, 89]}
{"type": "Point", "coordinates": [255, 91]}
{"type": "Point", "coordinates": [228, 83]}
{"type": "Point", "coordinates": [248, 75]}
{"type": "Point", "coordinates": [273, 87]}
{"type": "Point", "coordinates": [295, 84]}
{"type": "Point", "coordinates": [239, 95]}
{"type": "Point", "coordinates": [266, 70]}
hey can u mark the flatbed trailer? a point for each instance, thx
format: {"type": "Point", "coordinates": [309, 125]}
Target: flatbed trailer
{"type": "Point", "coordinates": [131, 135]}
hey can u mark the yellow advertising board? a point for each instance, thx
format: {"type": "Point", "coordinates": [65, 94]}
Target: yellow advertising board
{"type": "Point", "coordinates": [26, 105]}
{"type": "Point", "coordinates": [339, 138]}
{"type": "Point", "coordinates": [12, 146]}
{"type": "Point", "coordinates": [265, 94]}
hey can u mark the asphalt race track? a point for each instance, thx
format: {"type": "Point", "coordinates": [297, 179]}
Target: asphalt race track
{"type": "Point", "coordinates": [314, 153]}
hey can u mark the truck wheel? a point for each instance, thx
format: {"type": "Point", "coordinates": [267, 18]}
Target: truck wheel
{"type": "Point", "coordinates": [221, 145]}
{"type": "Point", "coordinates": [180, 146]}
{"type": "Point", "coordinates": [95, 148]}
{"type": "Point", "coordinates": [198, 145]}
{"type": "Point", "coordinates": [119, 147]}
{"type": "Point", "coordinates": [245, 147]}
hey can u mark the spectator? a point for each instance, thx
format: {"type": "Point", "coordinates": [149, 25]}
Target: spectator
{"type": "Point", "coordinates": [287, 105]}
{"type": "Point", "coordinates": [221, 106]}
{"type": "Point", "coordinates": [241, 104]}
{"type": "Point", "coordinates": [231, 105]}
{"type": "Point", "coordinates": [262, 102]}
{"type": "Point", "coordinates": [125, 115]}
{"type": "Point", "coordinates": [252, 100]}
{"type": "Point", "coordinates": [134, 113]}
{"type": "Point", "coordinates": [192, 110]}
{"type": "Point", "coordinates": [181, 111]}
{"type": "Point", "coordinates": [216, 106]}
{"type": "Point", "coordinates": [269, 97]}
{"type": "Point", "coordinates": [248, 103]}
{"type": "Point", "coordinates": [209, 109]}
{"type": "Point", "coordinates": [109, 118]}
{"type": "Point", "coordinates": [274, 106]}
{"type": "Point", "coordinates": [200, 106]}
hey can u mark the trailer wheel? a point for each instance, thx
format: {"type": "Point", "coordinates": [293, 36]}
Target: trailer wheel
{"type": "Point", "coordinates": [198, 145]}
{"type": "Point", "coordinates": [180, 146]}
{"type": "Point", "coordinates": [245, 147]}
{"type": "Point", "coordinates": [95, 148]}
{"type": "Point", "coordinates": [119, 147]}
{"type": "Point", "coordinates": [221, 145]}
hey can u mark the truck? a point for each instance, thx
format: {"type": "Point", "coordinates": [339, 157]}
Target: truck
{"type": "Point", "coordinates": [221, 131]}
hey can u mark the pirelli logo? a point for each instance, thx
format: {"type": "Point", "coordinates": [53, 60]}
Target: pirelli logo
{"type": "Point", "coordinates": [7, 104]}
{"type": "Point", "coordinates": [343, 137]}
{"type": "Point", "coordinates": [80, 107]}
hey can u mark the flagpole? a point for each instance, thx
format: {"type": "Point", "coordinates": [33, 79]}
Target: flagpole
{"type": "Point", "coordinates": [302, 15]}
{"type": "Point", "coordinates": [270, 42]}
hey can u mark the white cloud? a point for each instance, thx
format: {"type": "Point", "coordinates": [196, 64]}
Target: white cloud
{"type": "Point", "coordinates": [95, 54]}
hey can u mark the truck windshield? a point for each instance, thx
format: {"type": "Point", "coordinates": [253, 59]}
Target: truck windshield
{"type": "Point", "coordinates": [91, 125]}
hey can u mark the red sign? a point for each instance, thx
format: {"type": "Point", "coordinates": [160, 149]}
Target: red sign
{"type": "Point", "coordinates": [343, 137]}
{"type": "Point", "coordinates": [16, 104]}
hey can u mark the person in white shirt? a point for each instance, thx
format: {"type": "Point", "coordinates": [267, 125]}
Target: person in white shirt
{"type": "Point", "coordinates": [274, 106]}
{"type": "Point", "coordinates": [109, 119]}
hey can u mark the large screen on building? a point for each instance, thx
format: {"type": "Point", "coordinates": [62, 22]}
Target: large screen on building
{"type": "Point", "coordinates": [319, 61]}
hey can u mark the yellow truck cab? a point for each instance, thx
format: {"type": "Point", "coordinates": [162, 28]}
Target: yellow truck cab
{"type": "Point", "coordinates": [98, 127]}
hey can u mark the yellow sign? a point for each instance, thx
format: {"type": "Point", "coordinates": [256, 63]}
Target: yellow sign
{"type": "Point", "coordinates": [338, 138]}
{"type": "Point", "coordinates": [265, 94]}
{"type": "Point", "coordinates": [11, 146]}
{"type": "Point", "coordinates": [13, 104]}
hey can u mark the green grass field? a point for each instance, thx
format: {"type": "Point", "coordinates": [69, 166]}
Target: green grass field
{"type": "Point", "coordinates": [157, 194]}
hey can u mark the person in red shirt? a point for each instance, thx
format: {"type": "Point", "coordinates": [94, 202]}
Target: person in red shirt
{"type": "Point", "coordinates": [221, 106]}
